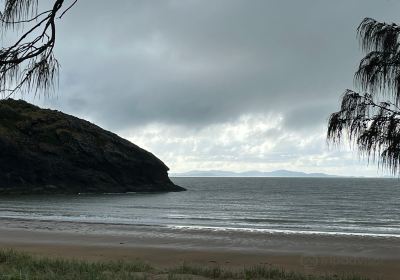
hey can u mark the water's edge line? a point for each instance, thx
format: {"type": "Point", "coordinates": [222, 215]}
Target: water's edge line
{"type": "Point", "coordinates": [209, 229]}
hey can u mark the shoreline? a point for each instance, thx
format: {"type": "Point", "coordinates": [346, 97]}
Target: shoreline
{"type": "Point", "coordinates": [385, 247]}
{"type": "Point", "coordinates": [17, 222]}
{"type": "Point", "coordinates": [375, 257]}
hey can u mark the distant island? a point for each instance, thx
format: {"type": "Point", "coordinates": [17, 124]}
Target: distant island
{"type": "Point", "coordinates": [276, 173]}
{"type": "Point", "coordinates": [46, 151]}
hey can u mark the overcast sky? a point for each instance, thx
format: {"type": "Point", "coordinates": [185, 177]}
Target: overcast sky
{"type": "Point", "coordinates": [217, 84]}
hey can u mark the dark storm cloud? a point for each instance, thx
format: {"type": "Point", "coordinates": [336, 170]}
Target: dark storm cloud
{"type": "Point", "coordinates": [196, 62]}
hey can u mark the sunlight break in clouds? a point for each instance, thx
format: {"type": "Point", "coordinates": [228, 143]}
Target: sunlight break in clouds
{"type": "Point", "coordinates": [252, 142]}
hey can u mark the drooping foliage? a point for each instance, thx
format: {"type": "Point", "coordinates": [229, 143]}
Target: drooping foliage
{"type": "Point", "coordinates": [370, 119]}
{"type": "Point", "coordinates": [29, 63]}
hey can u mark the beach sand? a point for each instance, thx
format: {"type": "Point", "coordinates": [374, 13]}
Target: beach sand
{"type": "Point", "coordinates": [374, 257]}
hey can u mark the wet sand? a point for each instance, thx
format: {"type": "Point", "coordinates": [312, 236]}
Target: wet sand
{"type": "Point", "coordinates": [375, 257]}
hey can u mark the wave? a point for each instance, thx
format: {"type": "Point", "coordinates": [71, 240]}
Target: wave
{"type": "Point", "coordinates": [284, 231]}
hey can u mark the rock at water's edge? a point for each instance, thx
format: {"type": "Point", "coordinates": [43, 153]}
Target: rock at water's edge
{"type": "Point", "coordinates": [46, 151]}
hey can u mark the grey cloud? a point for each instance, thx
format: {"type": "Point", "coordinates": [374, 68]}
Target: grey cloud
{"type": "Point", "coordinates": [307, 116]}
{"type": "Point", "coordinates": [195, 63]}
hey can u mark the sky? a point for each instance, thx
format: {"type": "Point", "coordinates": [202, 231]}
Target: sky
{"type": "Point", "coordinates": [229, 84]}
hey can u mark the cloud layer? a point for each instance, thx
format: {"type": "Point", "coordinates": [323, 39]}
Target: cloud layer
{"type": "Point", "coordinates": [206, 84]}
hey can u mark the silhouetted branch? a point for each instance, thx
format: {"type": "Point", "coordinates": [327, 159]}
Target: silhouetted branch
{"type": "Point", "coordinates": [29, 64]}
{"type": "Point", "coordinates": [25, 21]}
{"type": "Point", "coordinates": [379, 70]}
{"type": "Point", "coordinates": [67, 9]}
{"type": "Point", "coordinates": [373, 126]}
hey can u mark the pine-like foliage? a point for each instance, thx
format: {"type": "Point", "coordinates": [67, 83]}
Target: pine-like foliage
{"type": "Point", "coordinates": [29, 65]}
{"type": "Point", "coordinates": [370, 123]}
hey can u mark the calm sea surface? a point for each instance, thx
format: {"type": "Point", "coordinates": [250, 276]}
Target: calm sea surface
{"type": "Point", "coordinates": [287, 205]}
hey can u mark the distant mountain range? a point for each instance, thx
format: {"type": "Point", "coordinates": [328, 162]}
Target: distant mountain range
{"type": "Point", "coordinates": [221, 173]}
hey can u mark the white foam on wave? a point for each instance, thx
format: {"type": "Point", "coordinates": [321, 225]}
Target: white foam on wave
{"type": "Point", "coordinates": [282, 231]}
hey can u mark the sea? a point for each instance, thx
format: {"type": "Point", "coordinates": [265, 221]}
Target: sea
{"type": "Point", "coordinates": [324, 206]}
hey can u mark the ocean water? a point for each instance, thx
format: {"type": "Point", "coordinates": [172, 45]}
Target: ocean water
{"type": "Point", "coordinates": [339, 206]}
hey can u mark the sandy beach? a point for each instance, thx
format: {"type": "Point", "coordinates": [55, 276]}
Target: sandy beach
{"type": "Point", "coordinates": [374, 257]}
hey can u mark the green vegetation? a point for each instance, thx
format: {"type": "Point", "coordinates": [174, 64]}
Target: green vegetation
{"type": "Point", "coordinates": [15, 265]}
{"type": "Point", "coordinates": [46, 151]}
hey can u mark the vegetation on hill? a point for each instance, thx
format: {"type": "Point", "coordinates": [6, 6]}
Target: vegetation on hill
{"type": "Point", "coordinates": [46, 151]}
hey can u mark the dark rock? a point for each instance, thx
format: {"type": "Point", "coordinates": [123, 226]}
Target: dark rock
{"type": "Point", "coordinates": [46, 151]}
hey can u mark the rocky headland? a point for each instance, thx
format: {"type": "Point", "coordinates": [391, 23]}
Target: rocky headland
{"type": "Point", "coordinates": [46, 151]}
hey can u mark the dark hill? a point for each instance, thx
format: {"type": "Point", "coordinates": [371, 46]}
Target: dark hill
{"type": "Point", "coordinates": [46, 151]}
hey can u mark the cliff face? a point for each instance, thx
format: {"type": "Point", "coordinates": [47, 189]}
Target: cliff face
{"type": "Point", "coordinates": [46, 151]}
